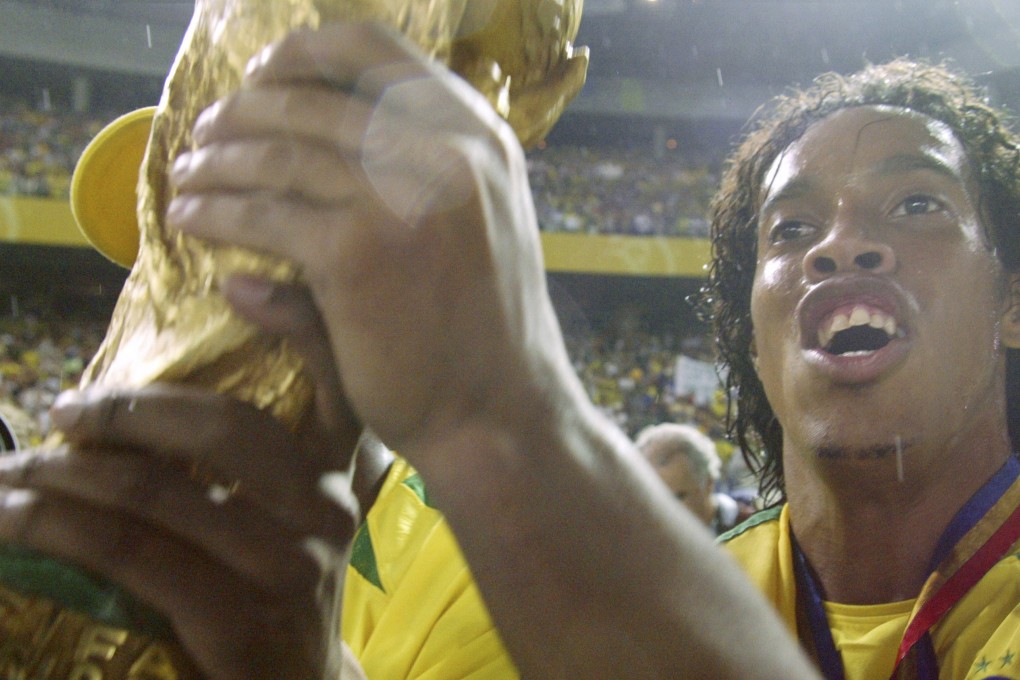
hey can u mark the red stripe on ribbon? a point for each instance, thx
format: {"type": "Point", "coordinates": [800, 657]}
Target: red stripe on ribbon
{"type": "Point", "coordinates": [973, 570]}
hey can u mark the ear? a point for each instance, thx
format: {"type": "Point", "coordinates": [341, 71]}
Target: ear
{"type": "Point", "coordinates": [1009, 332]}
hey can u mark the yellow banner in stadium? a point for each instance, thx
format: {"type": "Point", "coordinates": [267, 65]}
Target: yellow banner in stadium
{"type": "Point", "coordinates": [46, 221]}
{"type": "Point", "coordinates": [38, 221]}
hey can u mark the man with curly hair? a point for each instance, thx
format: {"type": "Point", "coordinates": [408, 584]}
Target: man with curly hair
{"type": "Point", "coordinates": [864, 294]}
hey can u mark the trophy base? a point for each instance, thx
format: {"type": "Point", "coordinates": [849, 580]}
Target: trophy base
{"type": "Point", "coordinates": [56, 621]}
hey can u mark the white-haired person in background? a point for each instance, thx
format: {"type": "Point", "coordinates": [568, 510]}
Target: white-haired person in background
{"type": "Point", "coordinates": [686, 460]}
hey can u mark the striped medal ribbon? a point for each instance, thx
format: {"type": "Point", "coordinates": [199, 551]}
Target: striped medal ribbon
{"type": "Point", "coordinates": [978, 536]}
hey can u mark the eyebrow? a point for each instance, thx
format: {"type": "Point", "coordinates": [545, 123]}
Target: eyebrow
{"type": "Point", "coordinates": [893, 165]}
{"type": "Point", "coordinates": [790, 191]}
{"type": "Point", "coordinates": [904, 163]}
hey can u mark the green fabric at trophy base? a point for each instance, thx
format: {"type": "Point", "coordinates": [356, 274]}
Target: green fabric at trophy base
{"type": "Point", "coordinates": [57, 621]}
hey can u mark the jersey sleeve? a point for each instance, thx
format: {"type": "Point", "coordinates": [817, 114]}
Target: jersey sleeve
{"type": "Point", "coordinates": [411, 607]}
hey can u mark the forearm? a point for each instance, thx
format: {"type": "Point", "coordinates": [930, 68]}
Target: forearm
{"type": "Point", "coordinates": [589, 568]}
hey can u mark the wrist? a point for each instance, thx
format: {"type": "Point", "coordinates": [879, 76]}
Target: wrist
{"type": "Point", "coordinates": [523, 425]}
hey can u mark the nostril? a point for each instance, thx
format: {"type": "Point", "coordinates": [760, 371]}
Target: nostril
{"type": "Point", "coordinates": [825, 265]}
{"type": "Point", "coordinates": [869, 260]}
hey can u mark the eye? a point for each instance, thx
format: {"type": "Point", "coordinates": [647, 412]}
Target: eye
{"type": "Point", "coordinates": [918, 204]}
{"type": "Point", "coordinates": [789, 230]}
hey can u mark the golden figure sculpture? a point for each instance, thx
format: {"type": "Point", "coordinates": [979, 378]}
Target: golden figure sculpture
{"type": "Point", "coordinates": [170, 324]}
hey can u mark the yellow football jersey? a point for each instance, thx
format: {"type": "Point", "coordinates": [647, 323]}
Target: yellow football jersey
{"type": "Point", "coordinates": [411, 607]}
{"type": "Point", "coordinates": [979, 638]}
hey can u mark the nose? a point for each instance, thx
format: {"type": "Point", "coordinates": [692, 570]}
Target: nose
{"type": "Point", "coordinates": [845, 250]}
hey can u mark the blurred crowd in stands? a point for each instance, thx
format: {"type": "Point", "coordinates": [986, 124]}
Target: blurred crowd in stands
{"type": "Point", "coordinates": [42, 354]}
{"type": "Point", "coordinates": [576, 189]}
{"type": "Point", "coordinates": [630, 373]}
{"type": "Point", "coordinates": [39, 148]}
{"type": "Point", "coordinates": [583, 190]}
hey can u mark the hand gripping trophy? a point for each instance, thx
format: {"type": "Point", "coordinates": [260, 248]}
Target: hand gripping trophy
{"type": "Point", "coordinates": [170, 322]}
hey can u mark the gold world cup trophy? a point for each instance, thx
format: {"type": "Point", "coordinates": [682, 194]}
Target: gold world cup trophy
{"type": "Point", "coordinates": [170, 322]}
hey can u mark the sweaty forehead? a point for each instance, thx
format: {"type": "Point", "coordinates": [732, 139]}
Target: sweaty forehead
{"type": "Point", "coordinates": [867, 139]}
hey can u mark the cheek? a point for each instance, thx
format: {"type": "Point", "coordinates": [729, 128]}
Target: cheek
{"type": "Point", "coordinates": [772, 299]}
{"type": "Point", "coordinates": [772, 273]}
{"type": "Point", "coordinates": [972, 295]}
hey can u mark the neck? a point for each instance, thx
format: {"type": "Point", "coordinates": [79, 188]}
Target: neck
{"type": "Point", "coordinates": [868, 532]}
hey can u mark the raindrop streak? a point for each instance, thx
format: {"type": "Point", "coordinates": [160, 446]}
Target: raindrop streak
{"type": "Point", "coordinates": [899, 459]}
{"type": "Point", "coordinates": [718, 76]}
{"type": "Point", "coordinates": [148, 35]}
{"type": "Point", "coordinates": [46, 105]}
{"type": "Point", "coordinates": [825, 56]}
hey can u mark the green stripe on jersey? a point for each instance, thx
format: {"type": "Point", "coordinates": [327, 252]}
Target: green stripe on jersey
{"type": "Point", "coordinates": [416, 484]}
{"type": "Point", "coordinates": [363, 557]}
{"type": "Point", "coordinates": [767, 515]}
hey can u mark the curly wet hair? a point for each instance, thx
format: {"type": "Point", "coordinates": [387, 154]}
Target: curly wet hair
{"type": "Point", "coordinates": [930, 89]}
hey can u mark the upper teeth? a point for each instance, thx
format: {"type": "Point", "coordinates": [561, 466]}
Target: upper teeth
{"type": "Point", "coordinates": [858, 316]}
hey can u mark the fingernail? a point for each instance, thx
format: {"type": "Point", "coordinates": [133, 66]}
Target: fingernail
{"type": "Point", "coordinates": [66, 410]}
{"type": "Point", "coordinates": [248, 289]}
{"type": "Point", "coordinates": [256, 63]}
{"type": "Point", "coordinates": [180, 168]}
{"type": "Point", "coordinates": [176, 211]}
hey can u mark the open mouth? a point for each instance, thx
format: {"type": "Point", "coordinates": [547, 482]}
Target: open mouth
{"type": "Point", "coordinates": [856, 329]}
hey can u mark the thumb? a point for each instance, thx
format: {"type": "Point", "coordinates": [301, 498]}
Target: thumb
{"type": "Point", "coordinates": [288, 311]}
